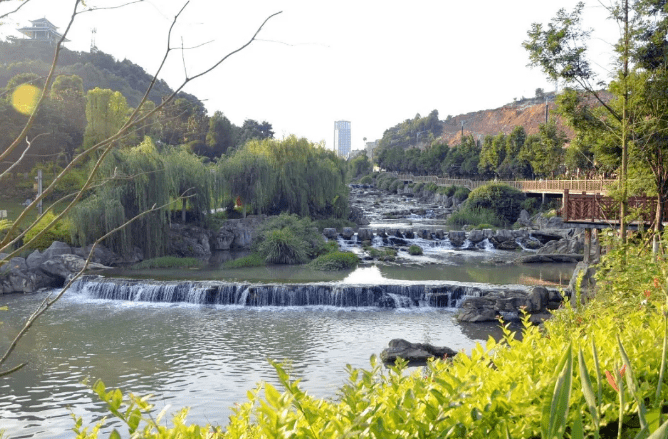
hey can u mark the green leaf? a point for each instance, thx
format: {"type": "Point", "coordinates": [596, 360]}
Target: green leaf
{"type": "Point", "coordinates": [555, 413]}
{"type": "Point", "coordinates": [631, 383]}
{"type": "Point", "coordinates": [577, 432]}
{"type": "Point", "coordinates": [661, 433]}
{"type": "Point", "coordinates": [587, 389]}
{"type": "Point", "coordinates": [115, 435]}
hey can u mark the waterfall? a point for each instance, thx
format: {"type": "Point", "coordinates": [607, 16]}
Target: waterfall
{"type": "Point", "coordinates": [333, 294]}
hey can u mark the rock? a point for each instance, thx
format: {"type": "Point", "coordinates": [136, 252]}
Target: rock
{"type": "Point", "coordinates": [347, 232]}
{"type": "Point", "coordinates": [417, 353]}
{"type": "Point", "coordinates": [586, 284]}
{"type": "Point", "coordinates": [189, 241]}
{"type": "Point", "coordinates": [530, 243]}
{"type": "Point", "coordinates": [237, 233]}
{"type": "Point", "coordinates": [543, 258]}
{"type": "Point", "coordinates": [57, 248]}
{"type": "Point", "coordinates": [331, 233]}
{"type": "Point", "coordinates": [409, 234]}
{"type": "Point", "coordinates": [364, 234]}
{"type": "Point", "coordinates": [357, 216]}
{"type": "Point", "coordinates": [34, 260]}
{"type": "Point", "coordinates": [538, 299]}
{"type": "Point", "coordinates": [457, 238]}
{"type": "Point", "coordinates": [102, 255]}
{"type": "Point", "coordinates": [476, 236]}
{"type": "Point", "coordinates": [439, 234]}
{"type": "Point", "coordinates": [524, 218]}
{"type": "Point", "coordinates": [508, 245]}
{"type": "Point", "coordinates": [477, 309]}
{"type": "Point", "coordinates": [65, 266]}
{"type": "Point", "coordinates": [544, 236]}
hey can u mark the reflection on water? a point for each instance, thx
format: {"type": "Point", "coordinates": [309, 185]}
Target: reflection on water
{"type": "Point", "coordinates": [459, 267]}
{"type": "Point", "coordinates": [205, 357]}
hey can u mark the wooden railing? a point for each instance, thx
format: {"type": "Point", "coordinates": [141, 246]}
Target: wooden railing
{"type": "Point", "coordinates": [597, 208]}
{"type": "Point", "coordinates": [539, 186]}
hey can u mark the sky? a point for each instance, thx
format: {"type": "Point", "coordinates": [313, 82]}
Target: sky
{"type": "Point", "coordinates": [373, 63]}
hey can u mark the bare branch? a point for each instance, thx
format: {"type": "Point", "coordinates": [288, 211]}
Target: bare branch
{"type": "Point", "coordinates": [6, 14]}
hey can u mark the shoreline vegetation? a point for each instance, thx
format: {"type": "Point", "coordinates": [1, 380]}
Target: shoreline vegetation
{"type": "Point", "coordinates": [595, 369]}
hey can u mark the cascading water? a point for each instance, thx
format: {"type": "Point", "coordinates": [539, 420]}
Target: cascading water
{"type": "Point", "coordinates": [334, 294]}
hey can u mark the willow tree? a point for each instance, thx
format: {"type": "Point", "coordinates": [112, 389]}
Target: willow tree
{"type": "Point", "coordinates": [106, 113]}
{"type": "Point", "coordinates": [138, 179]}
{"type": "Point", "coordinates": [247, 175]}
{"type": "Point", "coordinates": [309, 180]}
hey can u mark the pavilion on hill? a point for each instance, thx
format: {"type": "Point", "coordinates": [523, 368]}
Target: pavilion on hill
{"type": "Point", "coordinates": [42, 30]}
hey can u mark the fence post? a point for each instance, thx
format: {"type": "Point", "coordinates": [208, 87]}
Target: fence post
{"type": "Point", "coordinates": [564, 207]}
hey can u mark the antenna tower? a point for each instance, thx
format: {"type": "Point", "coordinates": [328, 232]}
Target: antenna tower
{"type": "Point", "coordinates": [93, 47]}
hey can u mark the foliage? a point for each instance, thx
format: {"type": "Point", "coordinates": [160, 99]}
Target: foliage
{"type": "Point", "coordinates": [251, 260]}
{"type": "Point", "coordinates": [359, 166]}
{"type": "Point", "coordinates": [336, 260]}
{"type": "Point", "coordinates": [106, 112]}
{"type": "Point", "coordinates": [61, 231]}
{"type": "Point", "coordinates": [467, 216]}
{"type": "Point", "coordinates": [287, 239]}
{"type": "Point", "coordinates": [367, 179]}
{"type": "Point", "coordinates": [168, 262]}
{"type": "Point", "coordinates": [503, 200]}
{"type": "Point", "coordinates": [292, 175]}
{"type": "Point", "coordinates": [139, 178]}
{"type": "Point", "coordinates": [461, 193]}
{"type": "Point", "coordinates": [415, 250]}
{"type": "Point", "coordinates": [384, 254]}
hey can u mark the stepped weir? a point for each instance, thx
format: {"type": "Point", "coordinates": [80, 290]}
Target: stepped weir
{"type": "Point", "coordinates": [333, 294]}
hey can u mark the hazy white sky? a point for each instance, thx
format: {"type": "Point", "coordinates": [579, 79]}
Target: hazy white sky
{"type": "Point", "coordinates": [374, 63]}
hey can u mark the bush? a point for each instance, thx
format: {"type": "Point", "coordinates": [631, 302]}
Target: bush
{"type": "Point", "coordinates": [467, 216]}
{"type": "Point", "coordinates": [5, 225]}
{"type": "Point", "coordinates": [415, 250]}
{"type": "Point", "coordinates": [168, 262]}
{"type": "Point", "coordinates": [418, 188]}
{"type": "Point", "coordinates": [530, 204]}
{"type": "Point", "coordinates": [336, 260]}
{"type": "Point", "coordinates": [59, 232]}
{"type": "Point", "coordinates": [387, 254]}
{"type": "Point", "coordinates": [396, 184]}
{"type": "Point", "coordinates": [282, 246]}
{"type": "Point", "coordinates": [503, 200]}
{"type": "Point", "coordinates": [298, 237]}
{"type": "Point", "coordinates": [367, 179]}
{"type": "Point", "coordinates": [252, 260]}
{"type": "Point", "coordinates": [430, 187]}
{"type": "Point", "coordinates": [461, 193]}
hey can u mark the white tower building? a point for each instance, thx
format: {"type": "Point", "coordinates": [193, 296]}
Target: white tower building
{"type": "Point", "coordinates": [342, 138]}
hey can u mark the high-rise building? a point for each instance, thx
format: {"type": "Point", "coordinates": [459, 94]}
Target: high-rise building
{"type": "Point", "coordinates": [342, 138]}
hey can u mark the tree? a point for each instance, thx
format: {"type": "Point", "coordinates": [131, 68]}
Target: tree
{"type": "Point", "coordinates": [10, 242]}
{"type": "Point", "coordinates": [106, 113]}
{"type": "Point", "coordinates": [220, 137]}
{"type": "Point", "coordinates": [560, 51]}
{"type": "Point", "coordinates": [544, 151]}
{"type": "Point", "coordinates": [252, 129]}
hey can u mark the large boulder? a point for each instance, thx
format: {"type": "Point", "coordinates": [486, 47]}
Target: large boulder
{"type": "Point", "coordinates": [57, 248]}
{"type": "Point", "coordinates": [15, 277]}
{"type": "Point", "coordinates": [357, 216]}
{"type": "Point", "coordinates": [63, 267]}
{"type": "Point", "coordinates": [347, 232]}
{"type": "Point", "coordinates": [329, 232]}
{"type": "Point", "coordinates": [237, 233]}
{"type": "Point", "coordinates": [476, 236]}
{"type": "Point", "coordinates": [457, 237]}
{"type": "Point", "coordinates": [189, 241]}
{"type": "Point", "coordinates": [416, 353]}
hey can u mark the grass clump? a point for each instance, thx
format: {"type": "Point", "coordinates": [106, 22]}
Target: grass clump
{"type": "Point", "coordinates": [475, 217]}
{"type": "Point", "coordinates": [168, 262]}
{"type": "Point", "coordinates": [415, 250]}
{"type": "Point", "coordinates": [336, 260]}
{"type": "Point", "coordinates": [367, 179]}
{"type": "Point", "coordinates": [288, 239]}
{"type": "Point", "coordinates": [386, 254]}
{"type": "Point", "coordinates": [252, 260]}
{"type": "Point", "coordinates": [505, 201]}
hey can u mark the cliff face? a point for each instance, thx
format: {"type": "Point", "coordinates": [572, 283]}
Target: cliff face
{"type": "Point", "coordinates": [529, 113]}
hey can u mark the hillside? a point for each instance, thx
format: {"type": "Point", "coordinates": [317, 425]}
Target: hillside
{"type": "Point", "coordinates": [528, 113]}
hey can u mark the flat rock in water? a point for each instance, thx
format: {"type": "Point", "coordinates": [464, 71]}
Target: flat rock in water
{"type": "Point", "coordinates": [414, 353]}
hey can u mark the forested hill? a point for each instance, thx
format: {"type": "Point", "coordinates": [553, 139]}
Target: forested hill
{"type": "Point", "coordinates": [96, 69]}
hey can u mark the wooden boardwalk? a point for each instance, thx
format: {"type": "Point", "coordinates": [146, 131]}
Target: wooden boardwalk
{"type": "Point", "coordinates": [597, 209]}
{"type": "Point", "coordinates": [532, 186]}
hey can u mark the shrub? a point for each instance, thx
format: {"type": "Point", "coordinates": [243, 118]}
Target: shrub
{"type": "Point", "coordinates": [462, 193]}
{"type": "Point", "coordinates": [336, 260]}
{"type": "Point", "coordinates": [396, 184]}
{"type": "Point", "coordinates": [418, 188]}
{"type": "Point", "coordinates": [450, 190]}
{"type": "Point", "coordinates": [168, 262]}
{"type": "Point", "coordinates": [467, 216]}
{"type": "Point", "coordinates": [387, 254]}
{"type": "Point", "coordinates": [59, 232]}
{"type": "Point", "coordinates": [503, 200]}
{"type": "Point", "coordinates": [415, 250]}
{"type": "Point", "coordinates": [430, 187]}
{"type": "Point", "coordinates": [282, 246]}
{"type": "Point", "coordinates": [5, 225]}
{"type": "Point", "coordinates": [252, 260]}
{"type": "Point", "coordinates": [300, 234]}
{"type": "Point", "coordinates": [530, 204]}
{"type": "Point", "coordinates": [367, 179]}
